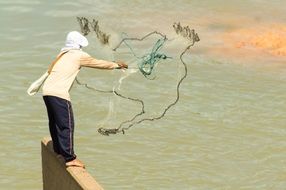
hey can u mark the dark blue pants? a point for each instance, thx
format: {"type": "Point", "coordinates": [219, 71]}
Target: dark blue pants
{"type": "Point", "coordinates": [61, 125]}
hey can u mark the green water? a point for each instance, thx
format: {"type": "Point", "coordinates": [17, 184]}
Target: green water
{"type": "Point", "coordinates": [226, 132]}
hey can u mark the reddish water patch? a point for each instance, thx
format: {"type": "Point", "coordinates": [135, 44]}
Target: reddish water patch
{"type": "Point", "coordinates": [271, 40]}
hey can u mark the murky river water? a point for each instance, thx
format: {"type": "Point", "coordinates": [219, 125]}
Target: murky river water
{"type": "Point", "coordinates": [227, 131]}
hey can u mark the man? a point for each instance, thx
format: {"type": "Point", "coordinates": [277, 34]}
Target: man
{"type": "Point", "coordinates": [56, 93]}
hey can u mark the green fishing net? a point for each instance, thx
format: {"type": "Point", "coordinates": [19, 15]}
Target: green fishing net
{"type": "Point", "coordinates": [145, 63]}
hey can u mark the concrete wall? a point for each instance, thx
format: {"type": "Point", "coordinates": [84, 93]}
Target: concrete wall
{"type": "Point", "coordinates": [57, 177]}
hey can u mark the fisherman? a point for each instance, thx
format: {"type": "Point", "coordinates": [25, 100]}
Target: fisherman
{"type": "Point", "coordinates": [56, 93]}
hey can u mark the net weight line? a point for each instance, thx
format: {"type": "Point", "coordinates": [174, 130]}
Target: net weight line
{"type": "Point", "coordinates": [121, 129]}
{"type": "Point", "coordinates": [115, 130]}
{"type": "Point", "coordinates": [86, 26]}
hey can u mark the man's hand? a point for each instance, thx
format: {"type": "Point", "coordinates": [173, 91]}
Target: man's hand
{"type": "Point", "coordinates": [122, 65]}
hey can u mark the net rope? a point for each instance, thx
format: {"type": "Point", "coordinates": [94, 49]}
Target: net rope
{"type": "Point", "coordinates": [146, 66]}
{"type": "Point", "coordinates": [147, 62]}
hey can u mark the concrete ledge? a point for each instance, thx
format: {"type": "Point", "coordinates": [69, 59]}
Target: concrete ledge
{"type": "Point", "coordinates": [57, 177]}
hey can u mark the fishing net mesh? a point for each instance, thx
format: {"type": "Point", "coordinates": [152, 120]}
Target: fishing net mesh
{"type": "Point", "coordinates": [146, 64]}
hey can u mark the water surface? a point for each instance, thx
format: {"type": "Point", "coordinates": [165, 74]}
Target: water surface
{"type": "Point", "coordinates": [226, 132]}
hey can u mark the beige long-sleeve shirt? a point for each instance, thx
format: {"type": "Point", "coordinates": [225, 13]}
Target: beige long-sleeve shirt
{"type": "Point", "coordinates": [61, 78]}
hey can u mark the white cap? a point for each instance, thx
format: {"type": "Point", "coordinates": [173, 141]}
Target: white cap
{"type": "Point", "coordinates": [76, 39]}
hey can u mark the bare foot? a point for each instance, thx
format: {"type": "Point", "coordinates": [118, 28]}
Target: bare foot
{"type": "Point", "coordinates": [75, 163]}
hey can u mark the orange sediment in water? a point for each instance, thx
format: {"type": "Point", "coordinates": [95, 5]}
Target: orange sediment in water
{"type": "Point", "coordinates": [271, 40]}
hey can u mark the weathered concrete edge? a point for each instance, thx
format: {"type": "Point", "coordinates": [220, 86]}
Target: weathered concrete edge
{"type": "Point", "coordinates": [80, 178]}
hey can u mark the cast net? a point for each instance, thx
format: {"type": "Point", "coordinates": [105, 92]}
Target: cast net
{"type": "Point", "coordinates": [146, 64]}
